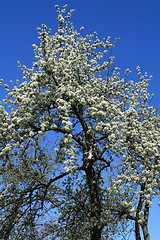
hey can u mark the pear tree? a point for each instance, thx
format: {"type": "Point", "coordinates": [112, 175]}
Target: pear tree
{"type": "Point", "coordinates": [79, 143]}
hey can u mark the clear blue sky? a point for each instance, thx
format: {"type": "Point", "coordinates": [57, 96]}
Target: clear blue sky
{"type": "Point", "coordinates": [136, 22]}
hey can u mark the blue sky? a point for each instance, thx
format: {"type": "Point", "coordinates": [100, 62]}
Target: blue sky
{"type": "Point", "coordinates": [136, 22]}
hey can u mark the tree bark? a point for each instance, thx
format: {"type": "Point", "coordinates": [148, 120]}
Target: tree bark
{"type": "Point", "coordinates": [146, 235]}
{"type": "Point", "coordinates": [95, 202]}
{"type": "Point", "coordinates": [145, 232]}
{"type": "Point", "coordinates": [137, 231]}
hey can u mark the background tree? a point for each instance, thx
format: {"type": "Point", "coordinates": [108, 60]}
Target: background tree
{"type": "Point", "coordinates": [79, 144]}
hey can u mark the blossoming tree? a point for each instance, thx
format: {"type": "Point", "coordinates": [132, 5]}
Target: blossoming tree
{"type": "Point", "coordinates": [79, 144]}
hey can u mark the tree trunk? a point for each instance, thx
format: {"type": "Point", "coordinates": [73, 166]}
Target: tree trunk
{"type": "Point", "coordinates": [145, 232]}
{"type": "Point", "coordinates": [137, 231]}
{"type": "Point", "coordinates": [146, 235]}
{"type": "Point", "coordinates": [95, 202]}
